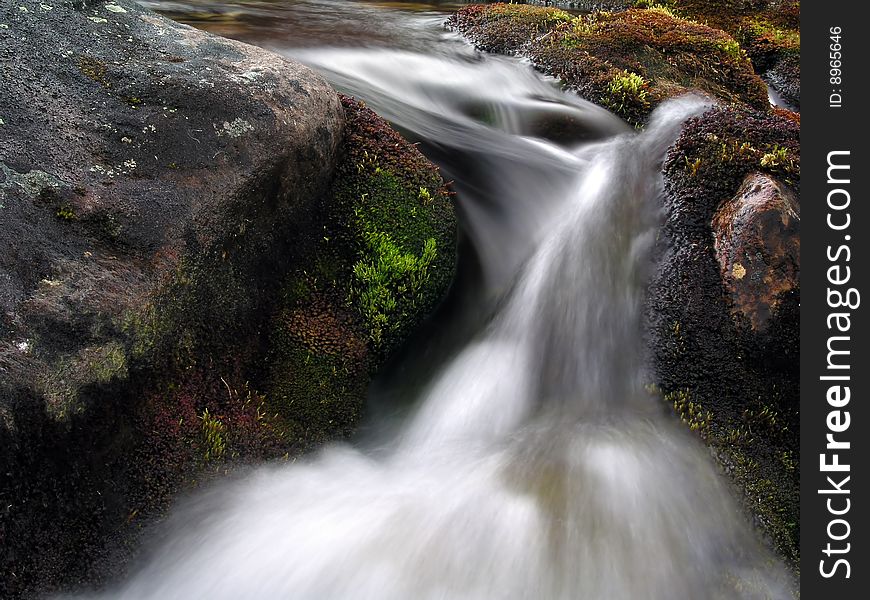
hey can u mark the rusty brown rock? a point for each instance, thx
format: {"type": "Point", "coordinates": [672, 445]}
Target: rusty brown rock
{"type": "Point", "coordinates": [758, 247]}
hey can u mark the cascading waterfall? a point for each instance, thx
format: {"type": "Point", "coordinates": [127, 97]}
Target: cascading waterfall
{"type": "Point", "coordinates": [535, 464]}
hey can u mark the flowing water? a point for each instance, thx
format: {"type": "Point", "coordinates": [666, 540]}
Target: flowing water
{"type": "Point", "coordinates": [533, 463]}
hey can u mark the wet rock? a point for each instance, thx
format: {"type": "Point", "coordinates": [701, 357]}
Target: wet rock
{"type": "Point", "coordinates": [757, 243]}
{"type": "Point", "coordinates": [165, 197]}
{"type": "Point", "coordinates": [785, 77]}
{"type": "Point", "coordinates": [153, 179]}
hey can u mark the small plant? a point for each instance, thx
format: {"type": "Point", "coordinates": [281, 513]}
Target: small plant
{"type": "Point", "coordinates": [583, 25]}
{"type": "Point", "coordinates": [763, 30]}
{"type": "Point", "coordinates": [559, 16]}
{"type": "Point", "coordinates": [425, 196]}
{"type": "Point", "coordinates": [66, 213]}
{"type": "Point", "coordinates": [737, 437]}
{"type": "Point", "coordinates": [368, 162]}
{"type": "Point", "coordinates": [766, 418]}
{"type": "Point", "coordinates": [777, 157]}
{"type": "Point", "coordinates": [213, 431]}
{"type": "Point", "coordinates": [691, 413]}
{"type": "Point", "coordinates": [665, 8]}
{"type": "Point", "coordinates": [731, 48]}
{"type": "Point", "coordinates": [652, 4]}
{"type": "Point", "coordinates": [627, 89]}
{"type": "Point", "coordinates": [692, 166]}
{"type": "Point", "coordinates": [788, 461]}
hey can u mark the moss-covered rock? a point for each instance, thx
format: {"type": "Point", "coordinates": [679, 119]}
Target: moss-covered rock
{"type": "Point", "coordinates": [726, 358]}
{"type": "Point", "coordinates": [384, 258]}
{"type": "Point", "coordinates": [627, 61]}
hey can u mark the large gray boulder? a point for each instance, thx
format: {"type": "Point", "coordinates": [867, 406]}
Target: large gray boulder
{"type": "Point", "coordinates": [127, 143]}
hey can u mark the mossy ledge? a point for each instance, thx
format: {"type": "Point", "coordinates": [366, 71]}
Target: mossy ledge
{"type": "Point", "coordinates": [626, 61]}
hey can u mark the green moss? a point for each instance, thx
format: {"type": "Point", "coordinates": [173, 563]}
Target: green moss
{"type": "Point", "coordinates": [730, 48]}
{"type": "Point", "coordinates": [380, 261]}
{"type": "Point", "coordinates": [108, 362]}
{"type": "Point", "coordinates": [752, 447]}
{"type": "Point", "coordinates": [759, 29]}
{"type": "Point", "coordinates": [768, 32]}
{"type": "Point", "coordinates": [506, 28]}
{"type": "Point", "coordinates": [391, 236]}
{"type": "Point", "coordinates": [317, 395]}
{"type": "Point", "coordinates": [726, 145]}
{"type": "Point", "coordinates": [667, 7]}
{"type": "Point", "coordinates": [773, 504]}
{"type": "Point", "coordinates": [65, 378]}
{"type": "Point", "coordinates": [690, 412]}
{"type": "Point", "coordinates": [789, 461]}
{"type": "Point", "coordinates": [777, 157]}
{"type": "Point", "coordinates": [386, 277]}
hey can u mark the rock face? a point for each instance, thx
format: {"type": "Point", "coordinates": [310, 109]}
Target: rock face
{"type": "Point", "coordinates": [179, 283]}
{"type": "Point", "coordinates": [723, 305]}
{"type": "Point", "coordinates": [757, 243]}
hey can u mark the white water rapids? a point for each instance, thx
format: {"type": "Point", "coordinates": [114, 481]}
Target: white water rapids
{"type": "Point", "coordinates": [534, 464]}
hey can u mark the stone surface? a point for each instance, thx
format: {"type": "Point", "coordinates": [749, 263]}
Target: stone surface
{"type": "Point", "coordinates": [129, 142]}
{"type": "Point", "coordinates": [757, 242]}
{"type": "Point", "coordinates": [151, 180]}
